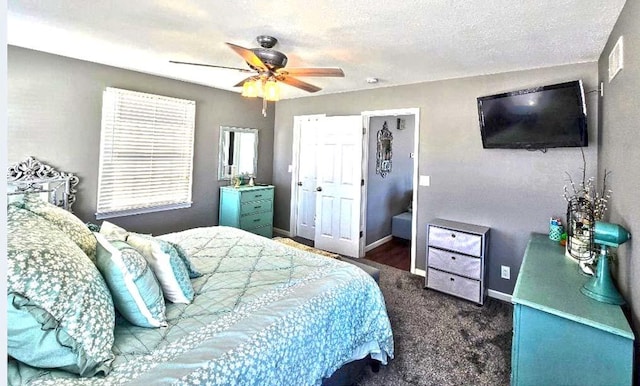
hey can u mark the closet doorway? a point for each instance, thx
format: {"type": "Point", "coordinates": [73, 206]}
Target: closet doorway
{"type": "Point", "coordinates": [326, 182]}
{"type": "Point", "coordinates": [304, 183]}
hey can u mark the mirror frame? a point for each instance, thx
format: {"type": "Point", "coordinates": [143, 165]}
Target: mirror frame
{"type": "Point", "coordinates": [222, 172]}
{"type": "Point", "coordinates": [384, 151]}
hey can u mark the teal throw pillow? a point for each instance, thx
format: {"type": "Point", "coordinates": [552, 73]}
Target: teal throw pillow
{"type": "Point", "coordinates": [135, 290]}
{"type": "Point", "coordinates": [167, 266]}
{"type": "Point", "coordinates": [60, 313]}
{"type": "Point", "coordinates": [93, 227]}
{"type": "Point", "coordinates": [193, 271]}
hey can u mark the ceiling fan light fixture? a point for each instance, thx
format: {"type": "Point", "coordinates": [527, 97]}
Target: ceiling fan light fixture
{"type": "Point", "coordinates": [250, 89]}
{"type": "Point", "coordinates": [271, 91]}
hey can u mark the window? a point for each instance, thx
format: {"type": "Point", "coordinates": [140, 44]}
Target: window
{"type": "Point", "coordinates": [146, 153]}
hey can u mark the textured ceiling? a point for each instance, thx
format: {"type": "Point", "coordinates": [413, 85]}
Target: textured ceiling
{"type": "Point", "coordinates": [399, 42]}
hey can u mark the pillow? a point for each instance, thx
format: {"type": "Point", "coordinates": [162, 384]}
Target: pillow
{"type": "Point", "coordinates": [113, 232]}
{"type": "Point", "coordinates": [135, 290]}
{"type": "Point", "coordinates": [60, 313]}
{"type": "Point", "coordinates": [72, 226]}
{"type": "Point", "coordinates": [167, 266]}
{"type": "Point", "coordinates": [93, 227]}
{"type": "Point", "coordinates": [193, 272]}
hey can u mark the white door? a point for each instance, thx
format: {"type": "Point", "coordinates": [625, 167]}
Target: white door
{"type": "Point", "coordinates": [306, 184]}
{"type": "Point", "coordinates": [338, 192]}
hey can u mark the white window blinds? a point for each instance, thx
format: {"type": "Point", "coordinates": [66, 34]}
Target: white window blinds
{"type": "Point", "coordinates": [146, 153]}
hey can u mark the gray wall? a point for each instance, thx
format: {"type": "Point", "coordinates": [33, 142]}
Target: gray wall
{"type": "Point", "coordinates": [390, 195]}
{"type": "Point", "coordinates": [54, 114]}
{"type": "Point", "coordinates": [619, 149]}
{"type": "Point", "coordinates": [512, 191]}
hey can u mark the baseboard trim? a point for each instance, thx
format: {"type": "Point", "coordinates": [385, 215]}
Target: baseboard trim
{"type": "Point", "coordinates": [499, 295]}
{"type": "Point", "coordinates": [419, 272]}
{"type": "Point", "coordinates": [378, 243]}
{"type": "Point", "coordinates": [281, 232]}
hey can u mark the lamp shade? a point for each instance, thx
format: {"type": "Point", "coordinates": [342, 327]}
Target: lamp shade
{"type": "Point", "coordinates": [271, 91]}
{"type": "Point", "coordinates": [250, 89]}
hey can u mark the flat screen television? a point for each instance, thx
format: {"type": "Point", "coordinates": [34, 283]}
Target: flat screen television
{"type": "Point", "coordinates": [535, 118]}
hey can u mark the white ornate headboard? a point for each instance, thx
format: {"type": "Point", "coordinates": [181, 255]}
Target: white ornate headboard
{"type": "Point", "coordinates": [34, 177]}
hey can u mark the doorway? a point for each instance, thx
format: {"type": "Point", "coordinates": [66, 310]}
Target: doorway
{"type": "Point", "coordinates": [406, 132]}
{"type": "Point", "coordinates": [326, 182]}
{"type": "Point", "coordinates": [303, 198]}
{"type": "Point", "coordinates": [389, 190]}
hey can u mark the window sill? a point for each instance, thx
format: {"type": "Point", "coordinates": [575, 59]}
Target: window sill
{"type": "Point", "coordinates": [131, 212]}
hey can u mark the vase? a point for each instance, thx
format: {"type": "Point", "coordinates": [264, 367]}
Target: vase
{"type": "Point", "coordinates": [580, 223]}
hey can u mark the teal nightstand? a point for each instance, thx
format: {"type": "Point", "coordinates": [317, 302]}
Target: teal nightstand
{"type": "Point", "coordinates": [247, 207]}
{"type": "Point", "coordinates": [560, 336]}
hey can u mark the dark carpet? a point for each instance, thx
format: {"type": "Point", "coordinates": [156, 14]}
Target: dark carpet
{"type": "Point", "coordinates": [439, 339]}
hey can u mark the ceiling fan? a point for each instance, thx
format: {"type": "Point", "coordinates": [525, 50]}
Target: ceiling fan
{"type": "Point", "coordinates": [268, 66]}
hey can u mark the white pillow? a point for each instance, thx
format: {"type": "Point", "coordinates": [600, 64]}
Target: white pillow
{"type": "Point", "coordinates": [113, 232]}
{"type": "Point", "coordinates": [166, 265]}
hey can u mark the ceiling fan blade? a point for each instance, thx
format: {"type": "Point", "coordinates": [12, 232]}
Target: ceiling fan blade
{"type": "Point", "coordinates": [211, 65]}
{"type": "Point", "coordinates": [249, 57]}
{"type": "Point", "coordinates": [298, 83]}
{"type": "Point", "coordinates": [302, 71]}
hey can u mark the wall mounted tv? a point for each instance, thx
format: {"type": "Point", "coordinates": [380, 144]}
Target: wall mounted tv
{"type": "Point", "coordinates": [535, 118]}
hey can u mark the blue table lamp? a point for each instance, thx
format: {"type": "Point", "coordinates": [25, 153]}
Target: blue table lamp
{"type": "Point", "coordinates": [600, 287]}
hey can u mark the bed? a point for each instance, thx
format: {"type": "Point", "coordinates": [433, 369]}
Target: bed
{"type": "Point", "coordinates": [262, 313]}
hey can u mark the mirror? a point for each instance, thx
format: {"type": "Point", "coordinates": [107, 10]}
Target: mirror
{"type": "Point", "coordinates": [238, 152]}
{"type": "Point", "coordinates": [384, 152]}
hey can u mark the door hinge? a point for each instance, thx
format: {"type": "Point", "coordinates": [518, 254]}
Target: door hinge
{"type": "Point", "coordinates": [362, 182]}
{"type": "Point", "coordinates": [361, 234]}
{"type": "Point", "coordinates": [364, 130]}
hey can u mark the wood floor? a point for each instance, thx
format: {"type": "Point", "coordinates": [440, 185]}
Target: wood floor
{"type": "Point", "coordinates": [396, 253]}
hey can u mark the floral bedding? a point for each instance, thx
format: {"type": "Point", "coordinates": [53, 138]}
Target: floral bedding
{"type": "Point", "coordinates": [264, 314]}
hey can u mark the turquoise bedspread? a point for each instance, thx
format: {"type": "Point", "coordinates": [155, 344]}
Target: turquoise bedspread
{"type": "Point", "coordinates": [264, 314]}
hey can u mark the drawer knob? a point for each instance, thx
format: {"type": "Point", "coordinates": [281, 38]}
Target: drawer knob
{"type": "Point", "coordinates": [258, 195]}
{"type": "Point", "coordinates": [453, 235]}
{"type": "Point", "coordinates": [453, 257]}
{"type": "Point", "coordinates": [452, 279]}
{"type": "Point", "coordinates": [257, 207]}
{"type": "Point", "coordinates": [256, 220]}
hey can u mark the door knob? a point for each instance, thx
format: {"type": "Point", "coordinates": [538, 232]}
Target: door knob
{"type": "Point", "coordinates": [319, 189]}
{"type": "Point", "coordinates": [299, 183]}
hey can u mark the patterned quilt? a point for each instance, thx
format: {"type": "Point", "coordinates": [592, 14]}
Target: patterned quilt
{"type": "Point", "coordinates": [264, 314]}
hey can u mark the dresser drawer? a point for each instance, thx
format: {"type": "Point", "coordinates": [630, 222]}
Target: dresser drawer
{"type": "Point", "coordinates": [455, 263]}
{"type": "Point", "coordinates": [466, 243]}
{"type": "Point", "coordinates": [265, 231]}
{"type": "Point", "coordinates": [255, 195]}
{"type": "Point", "coordinates": [256, 207]}
{"type": "Point", "coordinates": [255, 220]}
{"type": "Point", "coordinates": [453, 284]}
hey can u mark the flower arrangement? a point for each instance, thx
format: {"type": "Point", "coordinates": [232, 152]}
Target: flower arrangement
{"type": "Point", "coordinates": [588, 191]}
{"type": "Point", "coordinates": [586, 205]}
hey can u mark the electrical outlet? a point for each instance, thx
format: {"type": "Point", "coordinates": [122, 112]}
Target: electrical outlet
{"type": "Point", "coordinates": [505, 272]}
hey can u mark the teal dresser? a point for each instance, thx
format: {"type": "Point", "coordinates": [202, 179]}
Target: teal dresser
{"type": "Point", "coordinates": [247, 207]}
{"type": "Point", "coordinates": [560, 336]}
